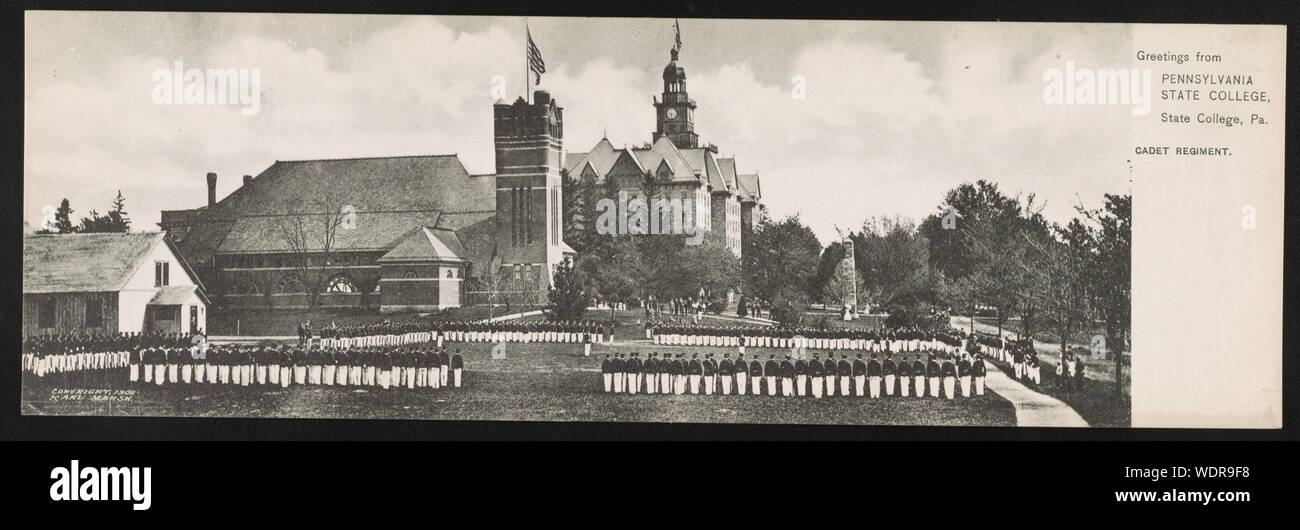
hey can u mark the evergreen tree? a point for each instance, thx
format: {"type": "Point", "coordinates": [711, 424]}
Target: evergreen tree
{"type": "Point", "coordinates": [568, 296]}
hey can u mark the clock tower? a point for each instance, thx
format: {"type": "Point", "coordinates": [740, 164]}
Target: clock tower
{"type": "Point", "coordinates": [675, 113]}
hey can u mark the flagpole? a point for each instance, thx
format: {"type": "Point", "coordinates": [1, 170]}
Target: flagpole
{"type": "Point", "coordinates": [527, 77]}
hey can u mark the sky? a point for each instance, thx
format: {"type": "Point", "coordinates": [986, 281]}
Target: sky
{"type": "Point", "coordinates": [894, 114]}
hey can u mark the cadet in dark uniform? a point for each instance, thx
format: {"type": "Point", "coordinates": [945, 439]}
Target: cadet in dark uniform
{"type": "Point", "coordinates": [457, 365]}
{"type": "Point", "coordinates": [801, 377]}
{"type": "Point", "coordinates": [727, 370]}
{"type": "Point", "coordinates": [874, 376]}
{"type": "Point", "coordinates": [650, 372]}
{"type": "Point", "coordinates": [787, 377]}
{"type": "Point", "coordinates": [665, 374]}
{"type": "Point", "coordinates": [932, 373]}
{"type": "Point", "coordinates": [949, 372]}
{"type": "Point", "coordinates": [756, 375]}
{"type": "Point", "coordinates": [817, 374]}
{"type": "Point", "coordinates": [859, 375]}
{"type": "Point", "coordinates": [890, 369]}
{"type": "Point", "coordinates": [695, 371]}
{"type": "Point", "coordinates": [904, 376]}
{"type": "Point", "coordinates": [742, 374]}
{"type": "Point", "coordinates": [633, 369]}
{"type": "Point", "coordinates": [770, 371]}
{"type": "Point", "coordinates": [845, 371]}
{"type": "Point", "coordinates": [618, 367]}
{"type": "Point", "coordinates": [964, 375]}
{"type": "Point", "coordinates": [978, 372]}
{"type": "Point", "coordinates": [679, 374]}
{"type": "Point", "coordinates": [710, 372]}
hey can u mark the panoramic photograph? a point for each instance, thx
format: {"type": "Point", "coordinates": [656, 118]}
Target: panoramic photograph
{"type": "Point", "coordinates": [260, 215]}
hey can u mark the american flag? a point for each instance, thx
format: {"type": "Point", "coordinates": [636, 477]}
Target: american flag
{"type": "Point", "coordinates": [535, 63]}
{"type": "Point", "coordinates": [677, 43]}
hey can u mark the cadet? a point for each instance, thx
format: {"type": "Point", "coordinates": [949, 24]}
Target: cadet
{"type": "Point", "coordinates": [978, 370]}
{"type": "Point", "coordinates": [816, 372]}
{"type": "Point", "coordinates": [801, 377]}
{"type": "Point", "coordinates": [679, 374]}
{"type": "Point", "coordinates": [633, 369]}
{"type": "Point", "coordinates": [742, 374]}
{"type": "Point", "coordinates": [770, 371]}
{"type": "Point", "coordinates": [963, 375]}
{"type": "Point", "coordinates": [617, 367]}
{"type": "Point", "coordinates": [756, 376]}
{"type": "Point", "coordinates": [444, 367]}
{"type": "Point", "coordinates": [932, 373]}
{"type": "Point", "coordinates": [726, 369]}
{"type": "Point", "coordinates": [832, 374]}
{"type": "Point", "coordinates": [904, 375]}
{"type": "Point", "coordinates": [949, 373]}
{"type": "Point", "coordinates": [665, 374]}
{"type": "Point", "coordinates": [874, 376]}
{"type": "Point", "coordinates": [695, 370]}
{"type": "Point", "coordinates": [890, 371]}
{"type": "Point", "coordinates": [845, 371]}
{"type": "Point", "coordinates": [859, 375]}
{"type": "Point", "coordinates": [457, 365]}
{"type": "Point", "coordinates": [787, 377]}
{"type": "Point", "coordinates": [650, 372]}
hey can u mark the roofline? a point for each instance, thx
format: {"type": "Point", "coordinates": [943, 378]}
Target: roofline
{"type": "Point", "coordinates": [446, 155]}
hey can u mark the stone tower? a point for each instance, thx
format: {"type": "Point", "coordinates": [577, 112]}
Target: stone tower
{"type": "Point", "coordinates": [529, 141]}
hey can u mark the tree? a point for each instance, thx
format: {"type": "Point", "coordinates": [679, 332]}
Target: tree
{"type": "Point", "coordinates": [709, 269]}
{"type": "Point", "coordinates": [310, 236]}
{"type": "Point", "coordinates": [893, 260]}
{"type": "Point", "coordinates": [845, 285]}
{"type": "Point", "coordinates": [117, 212]}
{"type": "Point", "coordinates": [965, 206]}
{"type": "Point", "coordinates": [568, 296]}
{"type": "Point", "coordinates": [1060, 279]}
{"type": "Point", "coordinates": [63, 218]}
{"type": "Point", "coordinates": [613, 268]}
{"type": "Point", "coordinates": [1110, 273]}
{"type": "Point", "coordinates": [782, 261]}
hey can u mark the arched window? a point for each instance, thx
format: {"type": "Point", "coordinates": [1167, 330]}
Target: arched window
{"type": "Point", "coordinates": [341, 283]}
{"type": "Point", "coordinates": [290, 284]}
{"type": "Point", "coordinates": [246, 286]}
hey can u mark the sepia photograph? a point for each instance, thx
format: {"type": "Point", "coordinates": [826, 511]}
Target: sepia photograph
{"type": "Point", "coordinates": [259, 215]}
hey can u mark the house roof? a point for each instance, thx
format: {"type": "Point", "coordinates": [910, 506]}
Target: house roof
{"type": "Point", "coordinates": [389, 195]}
{"type": "Point", "coordinates": [65, 263]}
{"type": "Point", "coordinates": [426, 243]}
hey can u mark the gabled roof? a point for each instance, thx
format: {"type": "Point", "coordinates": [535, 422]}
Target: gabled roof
{"type": "Point", "coordinates": [67, 263]}
{"type": "Point", "coordinates": [367, 184]}
{"type": "Point", "coordinates": [177, 295]}
{"type": "Point", "coordinates": [728, 168]}
{"type": "Point", "coordinates": [427, 244]}
{"type": "Point", "coordinates": [749, 186]}
{"type": "Point", "coordinates": [702, 161]}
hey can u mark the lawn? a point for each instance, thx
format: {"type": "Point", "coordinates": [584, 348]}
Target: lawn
{"type": "Point", "coordinates": [550, 382]}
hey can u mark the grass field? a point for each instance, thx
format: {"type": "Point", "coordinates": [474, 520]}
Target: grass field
{"type": "Point", "coordinates": [550, 382]}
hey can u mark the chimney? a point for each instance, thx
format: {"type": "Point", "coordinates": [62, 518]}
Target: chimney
{"type": "Point", "coordinates": [248, 179]}
{"type": "Point", "coordinates": [212, 189]}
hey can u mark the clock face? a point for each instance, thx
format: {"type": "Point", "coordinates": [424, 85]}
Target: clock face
{"type": "Point", "coordinates": [672, 113]}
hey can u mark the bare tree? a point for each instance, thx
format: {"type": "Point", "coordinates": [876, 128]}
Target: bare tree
{"type": "Point", "coordinates": [310, 236]}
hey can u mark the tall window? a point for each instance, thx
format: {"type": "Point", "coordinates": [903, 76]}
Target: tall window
{"type": "Point", "coordinates": [160, 273]}
{"type": "Point", "coordinates": [45, 313]}
{"type": "Point", "coordinates": [94, 312]}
